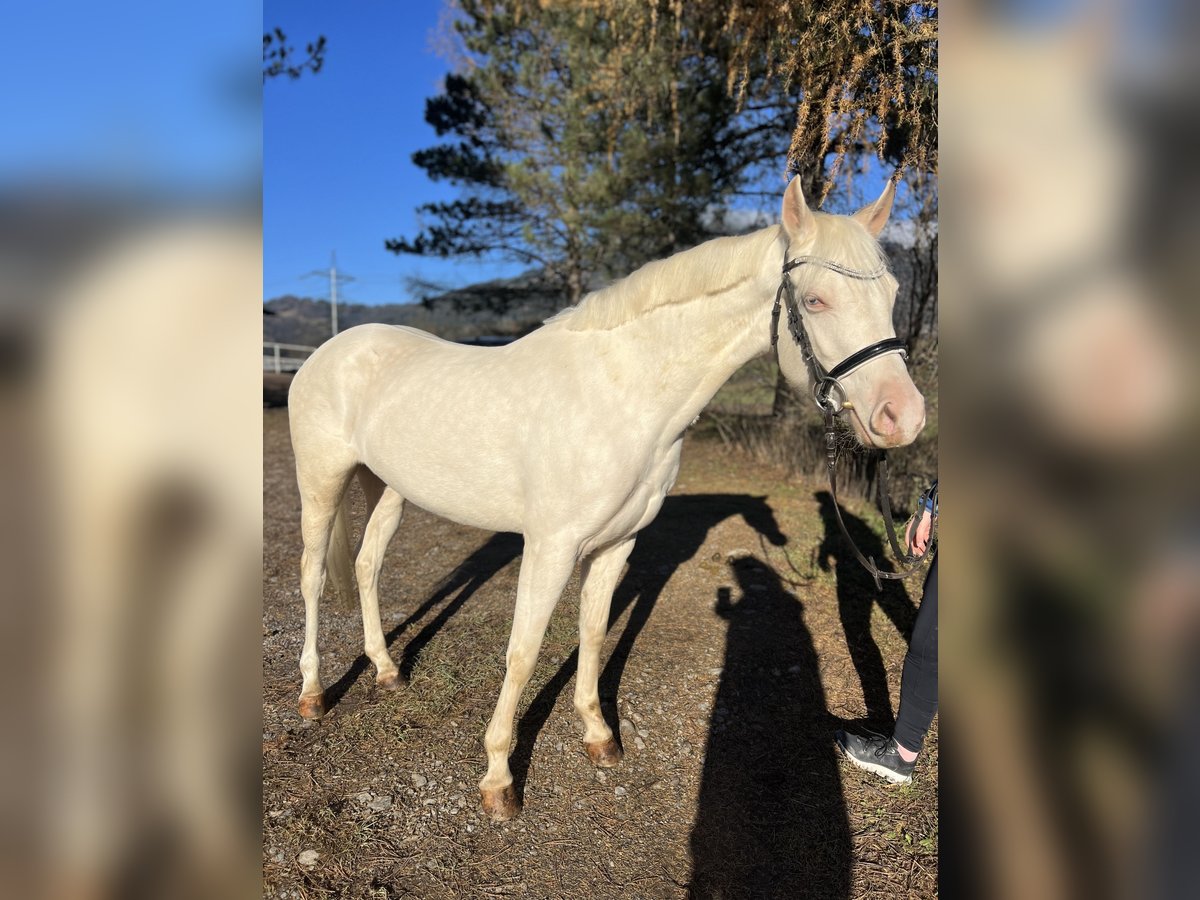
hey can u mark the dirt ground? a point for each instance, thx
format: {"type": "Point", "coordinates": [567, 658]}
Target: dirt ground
{"type": "Point", "coordinates": [743, 634]}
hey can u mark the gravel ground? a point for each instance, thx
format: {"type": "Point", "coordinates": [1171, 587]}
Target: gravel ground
{"type": "Point", "coordinates": [740, 640]}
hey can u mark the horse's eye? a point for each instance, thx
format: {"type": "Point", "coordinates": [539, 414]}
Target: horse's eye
{"type": "Point", "coordinates": [812, 301]}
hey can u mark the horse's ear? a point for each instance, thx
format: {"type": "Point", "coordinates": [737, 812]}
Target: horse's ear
{"type": "Point", "coordinates": [798, 220]}
{"type": "Point", "coordinates": [875, 216]}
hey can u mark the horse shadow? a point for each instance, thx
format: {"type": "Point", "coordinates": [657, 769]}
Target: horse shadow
{"type": "Point", "coordinates": [771, 819]}
{"type": "Point", "coordinates": [674, 537]}
{"type": "Point", "coordinates": [857, 596]}
{"type": "Point", "coordinates": [467, 578]}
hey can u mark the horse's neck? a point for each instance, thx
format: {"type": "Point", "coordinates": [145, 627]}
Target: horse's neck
{"type": "Point", "coordinates": [692, 349]}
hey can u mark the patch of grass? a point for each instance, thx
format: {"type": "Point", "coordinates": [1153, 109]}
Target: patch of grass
{"type": "Point", "coordinates": [752, 388]}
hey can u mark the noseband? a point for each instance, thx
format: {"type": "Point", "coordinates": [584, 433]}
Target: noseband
{"type": "Point", "coordinates": [825, 382]}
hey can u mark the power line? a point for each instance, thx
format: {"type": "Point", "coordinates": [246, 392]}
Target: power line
{"type": "Point", "coordinates": [335, 278]}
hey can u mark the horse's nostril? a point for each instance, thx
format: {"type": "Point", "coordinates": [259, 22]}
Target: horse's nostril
{"type": "Point", "coordinates": [885, 419]}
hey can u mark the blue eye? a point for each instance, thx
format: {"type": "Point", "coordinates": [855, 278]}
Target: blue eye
{"type": "Point", "coordinates": [812, 301]}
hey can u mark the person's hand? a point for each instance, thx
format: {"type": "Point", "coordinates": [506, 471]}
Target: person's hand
{"type": "Point", "coordinates": [917, 532]}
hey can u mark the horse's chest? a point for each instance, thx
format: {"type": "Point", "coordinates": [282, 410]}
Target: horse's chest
{"type": "Point", "coordinates": [644, 499]}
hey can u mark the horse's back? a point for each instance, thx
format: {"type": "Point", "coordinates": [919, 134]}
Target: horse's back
{"type": "Point", "coordinates": [343, 371]}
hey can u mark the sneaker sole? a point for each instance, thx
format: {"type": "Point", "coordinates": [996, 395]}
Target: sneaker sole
{"type": "Point", "coordinates": [883, 771]}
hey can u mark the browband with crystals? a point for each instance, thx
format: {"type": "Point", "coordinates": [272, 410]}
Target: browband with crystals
{"type": "Point", "coordinates": [878, 272]}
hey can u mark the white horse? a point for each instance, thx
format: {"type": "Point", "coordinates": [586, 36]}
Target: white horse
{"type": "Point", "coordinates": [572, 435]}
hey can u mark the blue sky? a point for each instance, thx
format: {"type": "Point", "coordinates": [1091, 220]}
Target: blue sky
{"type": "Point", "coordinates": [337, 168]}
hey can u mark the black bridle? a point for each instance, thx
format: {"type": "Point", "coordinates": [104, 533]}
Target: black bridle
{"type": "Point", "coordinates": [825, 382]}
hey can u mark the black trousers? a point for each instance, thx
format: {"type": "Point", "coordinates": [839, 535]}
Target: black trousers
{"type": "Point", "coordinates": [919, 684]}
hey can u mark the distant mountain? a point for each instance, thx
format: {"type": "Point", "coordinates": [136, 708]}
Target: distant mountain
{"type": "Point", "coordinates": [507, 307]}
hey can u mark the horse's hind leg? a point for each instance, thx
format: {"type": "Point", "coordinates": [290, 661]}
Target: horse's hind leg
{"type": "Point", "coordinates": [321, 489]}
{"type": "Point", "coordinates": [600, 574]}
{"type": "Point", "coordinates": [544, 573]}
{"type": "Point", "coordinates": [381, 526]}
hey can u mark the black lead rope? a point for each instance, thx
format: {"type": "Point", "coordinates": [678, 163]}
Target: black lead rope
{"type": "Point", "coordinates": [910, 562]}
{"type": "Point", "coordinates": [824, 382]}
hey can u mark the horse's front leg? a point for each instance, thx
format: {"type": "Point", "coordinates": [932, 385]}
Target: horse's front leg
{"type": "Point", "coordinates": [545, 569]}
{"type": "Point", "coordinates": [600, 575]}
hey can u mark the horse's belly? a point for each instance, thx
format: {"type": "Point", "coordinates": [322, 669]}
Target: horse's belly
{"type": "Point", "coordinates": [456, 492]}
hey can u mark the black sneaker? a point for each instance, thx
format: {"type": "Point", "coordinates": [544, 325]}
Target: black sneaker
{"type": "Point", "coordinates": [877, 754]}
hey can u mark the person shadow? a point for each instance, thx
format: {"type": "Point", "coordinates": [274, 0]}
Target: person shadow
{"type": "Point", "coordinates": [673, 538]}
{"type": "Point", "coordinates": [772, 819]}
{"type": "Point", "coordinates": [857, 596]}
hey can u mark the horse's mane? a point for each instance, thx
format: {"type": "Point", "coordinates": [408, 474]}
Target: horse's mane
{"type": "Point", "coordinates": [713, 268]}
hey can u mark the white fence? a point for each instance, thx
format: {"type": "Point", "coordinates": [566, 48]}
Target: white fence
{"type": "Point", "coordinates": [280, 358]}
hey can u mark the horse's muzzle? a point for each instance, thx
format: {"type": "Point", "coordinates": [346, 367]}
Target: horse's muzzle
{"type": "Point", "coordinates": [897, 417]}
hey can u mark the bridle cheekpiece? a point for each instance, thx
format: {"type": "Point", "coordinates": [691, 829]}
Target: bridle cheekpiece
{"type": "Point", "coordinates": [825, 382]}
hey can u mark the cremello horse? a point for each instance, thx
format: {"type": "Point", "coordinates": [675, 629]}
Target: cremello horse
{"type": "Point", "coordinates": [572, 434]}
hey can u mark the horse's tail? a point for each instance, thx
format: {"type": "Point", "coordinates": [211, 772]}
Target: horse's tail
{"type": "Point", "coordinates": [339, 560]}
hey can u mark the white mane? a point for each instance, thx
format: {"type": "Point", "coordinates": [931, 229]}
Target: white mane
{"type": "Point", "coordinates": [715, 267]}
{"type": "Point", "coordinates": [712, 268]}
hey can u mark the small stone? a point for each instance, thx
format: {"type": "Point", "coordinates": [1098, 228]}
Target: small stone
{"type": "Point", "coordinates": [619, 792]}
{"type": "Point", "coordinates": [308, 858]}
{"type": "Point", "coordinates": [419, 780]}
{"type": "Point", "coordinates": [600, 776]}
{"type": "Point", "coordinates": [626, 726]}
{"type": "Point", "coordinates": [639, 743]}
{"type": "Point", "coordinates": [379, 804]}
{"type": "Point", "coordinates": [643, 733]}
{"type": "Point", "coordinates": [363, 796]}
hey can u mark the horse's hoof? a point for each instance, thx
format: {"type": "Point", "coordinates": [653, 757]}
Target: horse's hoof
{"type": "Point", "coordinates": [312, 707]}
{"type": "Point", "coordinates": [389, 682]}
{"type": "Point", "coordinates": [604, 754]}
{"type": "Point", "coordinates": [500, 805]}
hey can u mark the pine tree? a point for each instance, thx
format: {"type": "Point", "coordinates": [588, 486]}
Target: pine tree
{"type": "Point", "coordinates": [574, 154]}
{"type": "Point", "coordinates": [590, 136]}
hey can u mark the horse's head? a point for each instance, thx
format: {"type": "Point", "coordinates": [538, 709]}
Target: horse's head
{"type": "Point", "coordinates": [841, 301]}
